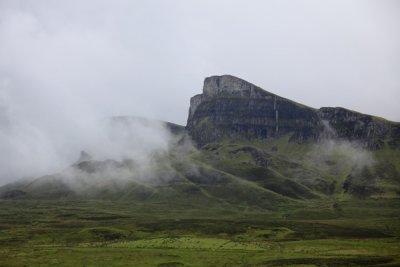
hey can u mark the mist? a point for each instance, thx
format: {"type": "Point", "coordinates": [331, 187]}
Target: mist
{"type": "Point", "coordinates": [32, 150]}
{"type": "Point", "coordinates": [331, 151]}
{"type": "Point", "coordinates": [68, 66]}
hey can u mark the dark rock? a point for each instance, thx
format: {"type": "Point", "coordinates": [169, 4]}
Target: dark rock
{"type": "Point", "coordinates": [97, 166]}
{"type": "Point", "coordinates": [233, 108]}
{"type": "Point", "coordinates": [395, 136]}
{"type": "Point", "coordinates": [260, 158]}
{"type": "Point", "coordinates": [350, 125]}
{"type": "Point", "coordinates": [175, 129]}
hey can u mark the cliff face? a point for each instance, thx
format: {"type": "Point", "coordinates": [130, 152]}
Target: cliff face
{"type": "Point", "coordinates": [232, 108]}
{"type": "Point", "coordinates": [354, 126]}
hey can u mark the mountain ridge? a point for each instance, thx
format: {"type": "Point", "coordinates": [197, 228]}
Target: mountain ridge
{"type": "Point", "coordinates": [235, 108]}
{"type": "Point", "coordinates": [253, 147]}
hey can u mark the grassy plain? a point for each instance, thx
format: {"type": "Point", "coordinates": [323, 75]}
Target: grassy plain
{"type": "Point", "coordinates": [127, 233]}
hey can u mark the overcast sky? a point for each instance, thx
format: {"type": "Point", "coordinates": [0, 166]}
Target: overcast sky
{"type": "Point", "coordinates": [63, 63]}
{"type": "Point", "coordinates": [149, 57]}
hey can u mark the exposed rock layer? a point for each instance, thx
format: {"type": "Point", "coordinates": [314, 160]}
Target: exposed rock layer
{"type": "Point", "coordinates": [232, 108]}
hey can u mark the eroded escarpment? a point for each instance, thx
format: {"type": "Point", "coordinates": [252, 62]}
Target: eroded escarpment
{"type": "Point", "coordinates": [232, 108]}
{"type": "Point", "coordinates": [368, 130]}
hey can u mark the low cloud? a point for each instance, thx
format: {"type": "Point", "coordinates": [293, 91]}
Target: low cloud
{"type": "Point", "coordinates": [30, 149]}
{"type": "Point", "coordinates": [331, 150]}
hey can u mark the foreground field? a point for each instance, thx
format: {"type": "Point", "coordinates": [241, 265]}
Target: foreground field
{"type": "Point", "coordinates": [105, 233]}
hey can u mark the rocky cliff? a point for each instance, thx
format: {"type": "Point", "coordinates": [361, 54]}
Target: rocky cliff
{"type": "Point", "coordinates": [368, 130]}
{"type": "Point", "coordinates": [232, 108]}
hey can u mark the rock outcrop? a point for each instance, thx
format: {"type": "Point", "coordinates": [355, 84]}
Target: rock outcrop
{"type": "Point", "coordinates": [232, 108]}
{"type": "Point", "coordinates": [349, 125]}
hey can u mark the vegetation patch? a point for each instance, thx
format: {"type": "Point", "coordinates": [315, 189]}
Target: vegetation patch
{"type": "Point", "coordinates": [190, 243]}
{"type": "Point", "coordinates": [331, 262]}
{"type": "Point", "coordinates": [102, 234]}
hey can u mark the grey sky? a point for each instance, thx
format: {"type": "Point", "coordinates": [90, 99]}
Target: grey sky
{"type": "Point", "coordinates": [149, 57]}
{"type": "Point", "coordinates": [63, 63]}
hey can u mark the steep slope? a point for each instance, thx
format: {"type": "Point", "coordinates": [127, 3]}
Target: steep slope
{"type": "Point", "coordinates": [366, 129]}
{"type": "Point", "coordinates": [231, 108]}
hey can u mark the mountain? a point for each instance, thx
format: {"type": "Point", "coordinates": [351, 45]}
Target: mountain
{"type": "Point", "coordinates": [251, 148]}
{"type": "Point", "coordinates": [232, 108]}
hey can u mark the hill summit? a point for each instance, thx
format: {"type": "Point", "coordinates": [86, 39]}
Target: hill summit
{"type": "Point", "coordinates": [232, 108]}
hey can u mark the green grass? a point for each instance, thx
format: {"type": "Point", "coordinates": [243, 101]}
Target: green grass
{"type": "Point", "coordinates": [128, 233]}
{"type": "Point", "coordinates": [258, 203]}
{"type": "Point", "coordinates": [194, 243]}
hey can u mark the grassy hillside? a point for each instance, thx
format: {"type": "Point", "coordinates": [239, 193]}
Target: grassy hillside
{"type": "Point", "coordinates": [331, 169]}
{"type": "Point", "coordinates": [262, 173]}
{"type": "Point", "coordinates": [233, 203]}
